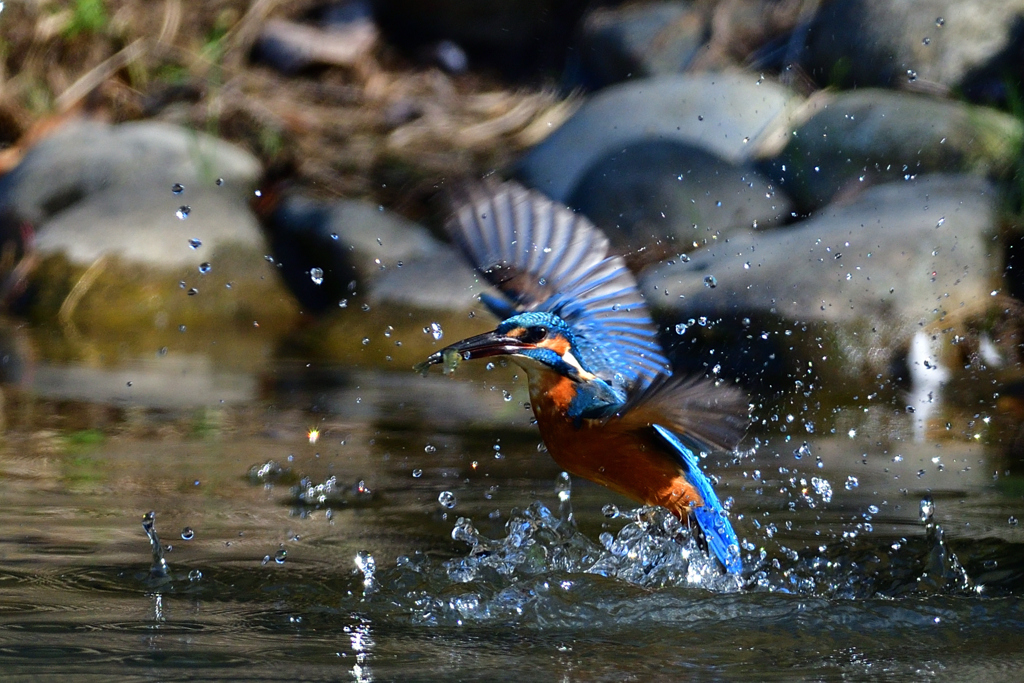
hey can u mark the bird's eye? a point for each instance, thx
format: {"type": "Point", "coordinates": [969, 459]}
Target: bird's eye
{"type": "Point", "coordinates": [532, 335]}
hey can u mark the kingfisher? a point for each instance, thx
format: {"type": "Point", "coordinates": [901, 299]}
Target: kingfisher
{"type": "Point", "coordinates": [606, 402]}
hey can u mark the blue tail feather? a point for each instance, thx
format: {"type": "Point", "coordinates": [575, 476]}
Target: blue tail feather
{"type": "Point", "coordinates": [711, 516]}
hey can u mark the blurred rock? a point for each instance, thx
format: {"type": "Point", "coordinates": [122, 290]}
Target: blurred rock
{"type": "Point", "coordinates": [441, 280]}
{"type": "Point", "coordinates": [723, 113]}
{"type": "Point", "coordinates": [971, 46]}
{"type": "Point", "coordinates": [328, 252]}
{"type": "Point", "coordinates": [871, 272]}
{"type": "Point", "coordinates": [850, 140]}
{"type": "Point", "coordinates": [659, 189]}
{"type": "Point", "coordinates": [518, 36]}
{"type": "Point", "coordinates": [17, 356]}
{"type": "Point", "coordinates": [291, 47]}
{"type": "Point", "coordinates": [139, 224]}
{"type": "Point", "coordinates": [93, 189]}
{"type": "Point", "coordinates": [449, 56]}
{"type": "Point", "coordinates": [638, 40]}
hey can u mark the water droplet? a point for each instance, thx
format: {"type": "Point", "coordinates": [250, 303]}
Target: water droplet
{"type": "Point", "coordinates": [940, 22]}
{"type": "Point", "coordinates": [447, 499]}
{"type": "Point", "coordinates": [220, 182]}
{"type": "Point", "coordinates": [873, 509]}
{"type": "Point", "coordinates": [927, 41]}
{"type": "Point", "coordinates": [851, 483]}
{"type": "Point", "coordinates": [610, 511]}
{"type": "Point", "coordinates": [366, 341]}
{"type": "Point", "coordinates": [367, 565]}
{"type": "Point", "coordinates": [429, 448]}
{"type": "Point", "coordinates": [434, 330]}
{"type": "Point", "coordinates": [195, 243]}
{"type": "Point", "coordinates": [316, 275]}
{"type": "Point", "coordinates": [183, 212]}
{"type": "Point", "coordinates": [710, 282]}
{"type": "Point", "coordinates": [940, 222]}
{"type": "Point", "coordinates": [417, 473]}
{"type": "Point", "coordinates": [195, 575]}
{"type": "Point", "coordinates": [926, 510]}
{"type": "Point", "coordinates": [193, 291]}
{"type": "Point", "coordinates": [803, 451]}
{"type": "Point", "coordinates": [280, 556]}
{"type": "Point", "coordinates": [187, 534]}
{"type": "Point", "coordinates": [177, 188]}
{"type": "Point", "coordinates": [911, 75]}
{"type": "Point", "coordinates": [1012, 521]}
{"type": "Point", "coordinates": [563, 487]}
{"type": "Point", "coordinates": [205, 267]}
{"type": "Point", "coordinates": [506, 394]}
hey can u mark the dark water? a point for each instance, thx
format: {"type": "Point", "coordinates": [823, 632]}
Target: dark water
{"type": "Point", "coordinates": [336, 560]}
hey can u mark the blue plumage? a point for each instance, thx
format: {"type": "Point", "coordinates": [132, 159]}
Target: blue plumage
{"type": "Point", "coordinates": [711, 516]}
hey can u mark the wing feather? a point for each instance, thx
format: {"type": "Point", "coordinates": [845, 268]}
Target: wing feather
{"type": "Point", "coordinates": [712, 415]}
{"type": "Point", "coordinates": [544, 257]}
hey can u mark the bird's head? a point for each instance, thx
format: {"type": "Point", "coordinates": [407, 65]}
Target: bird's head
{"type": "Point", "coordinates": [535, 339]}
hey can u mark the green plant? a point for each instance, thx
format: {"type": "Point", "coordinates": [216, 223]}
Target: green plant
{"type": "Point", "coordinates": [88, 16]}
{"type": "Point", "coordinates": [1015, 192]}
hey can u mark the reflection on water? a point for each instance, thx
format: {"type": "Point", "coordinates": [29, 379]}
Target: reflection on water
{"type": "Point", "coordinates": [868, 551]}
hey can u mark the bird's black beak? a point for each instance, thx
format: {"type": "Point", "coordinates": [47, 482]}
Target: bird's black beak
{"type": "Point", "coordinates": [481, 346]}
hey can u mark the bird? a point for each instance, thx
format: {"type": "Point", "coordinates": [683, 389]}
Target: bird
{"type": "Point", "coordinates": [608, 407]}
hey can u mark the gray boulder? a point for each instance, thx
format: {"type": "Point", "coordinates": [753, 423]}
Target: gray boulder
{"type": "Point", "coordinates": [638, 40]}
{"type": "Point", "coordinates": [842, 143]}
{"type": "Point", "coordinates": [971, 46]}
{"type": "Point", "coordinates": [873, 271]}
{"type": "Point", "coordinates": [724, 113]}
{"type": "Point", "coordinates": [143, 227]}
{"type": "Point", "coordinates": [328, 251]}
{"type": "Point", "coordinates": [93, 189]}
{"type": "Point", "coordinates": [655, 190]}
{"type": "Point", "coordinates": [441, 280]}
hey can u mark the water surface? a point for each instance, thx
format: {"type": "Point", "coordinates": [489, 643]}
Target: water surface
{"type": "Point", "coordinates": [335, 560]}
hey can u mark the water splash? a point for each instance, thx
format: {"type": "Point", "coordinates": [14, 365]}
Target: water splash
{"type": "Point", "coordinates": [861, 568]}
{"type": "Point", "coordinates": [541, 559]}
{"type": "Point", "coordinates": [368, 566]}
{"type": "Point", "coordinates": [329, 493]}
{"type": "Point", "coordinates": [159, 569]}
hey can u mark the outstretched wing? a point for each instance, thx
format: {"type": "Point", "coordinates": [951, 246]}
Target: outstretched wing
{"type": "Point", "coordinates": [544, 257]}
{"type": "Point", "coordinates": [712, 415]}
{"type": "Point", "coordinates": [710, 516]}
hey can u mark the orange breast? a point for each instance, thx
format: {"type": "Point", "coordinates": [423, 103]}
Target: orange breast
{"type": "Point", "coordinates": [612, 453]}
